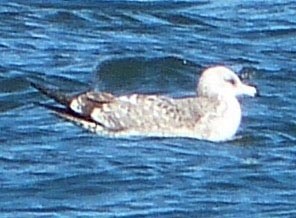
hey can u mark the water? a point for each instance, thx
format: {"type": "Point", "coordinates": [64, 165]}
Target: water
{"type": "Point", "coordinates": [50, 168]}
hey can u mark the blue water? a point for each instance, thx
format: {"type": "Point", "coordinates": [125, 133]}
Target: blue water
{"type": "Point", "coordinates": [51, 168]}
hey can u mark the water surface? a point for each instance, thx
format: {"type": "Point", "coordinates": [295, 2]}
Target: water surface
{"type": "Point", "coordinates": [51, 168]}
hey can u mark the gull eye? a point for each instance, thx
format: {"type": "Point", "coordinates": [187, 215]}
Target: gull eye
{"type": "Point", "coordinates": [231, 81]}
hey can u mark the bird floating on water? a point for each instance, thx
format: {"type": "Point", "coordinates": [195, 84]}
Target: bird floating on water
{"type": "Point", "coordinates": [214, 114]}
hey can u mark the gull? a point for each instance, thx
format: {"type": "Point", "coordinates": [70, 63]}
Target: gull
{"type": "Point", "coordinates": [213, 114]}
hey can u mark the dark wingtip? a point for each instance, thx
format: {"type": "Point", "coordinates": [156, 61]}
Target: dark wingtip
{"type": "Point", "coordinates": [52, 108]}
{"type": "Point", "coordinates": [51, 93]}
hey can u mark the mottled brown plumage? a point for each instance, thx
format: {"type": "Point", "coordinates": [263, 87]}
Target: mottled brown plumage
{"type": "Point", "coordinates": [213, 115]}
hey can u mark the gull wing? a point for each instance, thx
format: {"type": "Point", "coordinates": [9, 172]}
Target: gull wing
{"type": "Point", "coordinates": [106, 113]}
{"type": "Point", "coordinates": [75, 108]}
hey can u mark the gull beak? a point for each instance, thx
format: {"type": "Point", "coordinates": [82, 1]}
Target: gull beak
{"type": "Point", "coordinates": [247, 90]}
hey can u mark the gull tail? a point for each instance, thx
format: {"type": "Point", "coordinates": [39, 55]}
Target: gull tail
{"type": "Point", "coordinates": [73, 117]}
{"type": "Point", "coordinates": [65, 112]}
{"type": "Point", "coordinates": [59, 97]}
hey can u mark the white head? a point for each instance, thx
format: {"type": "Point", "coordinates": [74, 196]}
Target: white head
{"type": "Point", "coordinates": [220, 81]}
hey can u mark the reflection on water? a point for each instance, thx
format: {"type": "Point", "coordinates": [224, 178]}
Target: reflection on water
{"type": "Point", "coordinates": [50, 167]}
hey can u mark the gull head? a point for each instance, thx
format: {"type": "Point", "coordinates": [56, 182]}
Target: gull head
{"type": "Point", "coordinates": [219, 81]}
